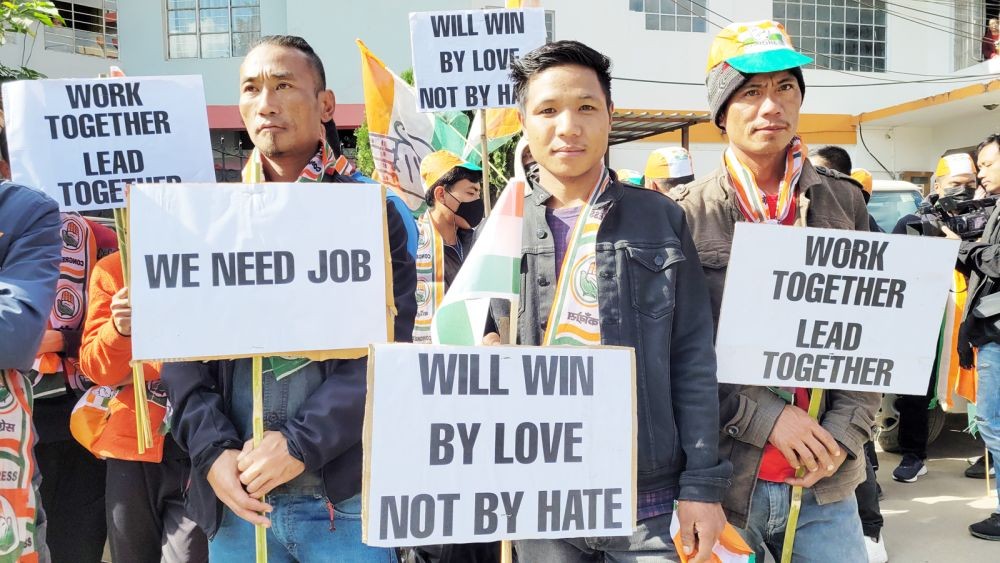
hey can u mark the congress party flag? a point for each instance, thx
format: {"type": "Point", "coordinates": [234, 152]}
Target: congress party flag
{"type": "Point", "coordinates": [400, 136]}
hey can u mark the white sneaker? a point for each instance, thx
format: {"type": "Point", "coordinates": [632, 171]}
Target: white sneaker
{"type": "Point", "coordinates": [876, 550]}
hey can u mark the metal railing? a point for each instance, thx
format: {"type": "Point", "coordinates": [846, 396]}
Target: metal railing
{"type": "Point", "coordinates": [969, 27]}
{"type": "Point", "coordinates": [85, 32]}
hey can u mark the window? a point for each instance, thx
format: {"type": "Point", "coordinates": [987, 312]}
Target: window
{"type": "Point", "coordinates": [971, 22]}
{"type": "Point", "coordinates": [211, 29]}
{"type": "Point", "coordinates": [672, 15]}
{"type": "Point", "coordinates": [838, 34]}
{"type": "Point", "coordinates": [90, 29]}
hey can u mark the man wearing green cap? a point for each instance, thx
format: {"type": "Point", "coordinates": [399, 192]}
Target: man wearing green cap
{"type": "Point", "coordinates": [755, 89]}
{"type": "Point", "coordinates": [454, 208]}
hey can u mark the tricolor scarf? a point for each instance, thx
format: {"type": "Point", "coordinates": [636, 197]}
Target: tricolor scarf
{"type": "Point", "coordinates": [51, 371]}
{"type": "Point", "coordinates": [430, 278]}
{"type": "Point", "coordinates": [324, 163]}
{"type": "Point", "coordinates": [575, 318]}
{"type": "Point", "coordinates": [753, 204]}
{"type": "Point", "coordinates": [18, 504]}
{"type": "Point", "coordinates": [751, 198]}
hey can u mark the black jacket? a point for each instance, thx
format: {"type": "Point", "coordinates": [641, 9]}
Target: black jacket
{"type": "Point", "coordinates": [652, 297]}
{"type": "Point", "coordinates": [980, 260]}
{"type": "Point", "coordinates": [453, 260]}
{"type": "Point", "coordinates": [326, 431]}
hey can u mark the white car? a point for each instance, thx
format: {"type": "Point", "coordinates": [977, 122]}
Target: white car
{"type": "Point", "coordinates": [891, 200]}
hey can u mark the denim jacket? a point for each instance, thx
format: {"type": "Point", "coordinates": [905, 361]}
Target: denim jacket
{"type": "Point", "coordinates": [652, 297]}
{"type": "Point", "coordinates": [324, 433]}
{"type": "Point", "coordinates": [29, 267]}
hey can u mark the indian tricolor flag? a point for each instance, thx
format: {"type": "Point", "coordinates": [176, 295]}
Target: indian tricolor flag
{"type": "Point", "coordinates": [491, 271]}
{"type": "Point", "coordinates": [951, 377]}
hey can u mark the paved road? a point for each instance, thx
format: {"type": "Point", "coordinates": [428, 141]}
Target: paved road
{"type": "Point", "coordinates": [927, 521]}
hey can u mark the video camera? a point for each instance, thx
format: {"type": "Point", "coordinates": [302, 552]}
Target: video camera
{"type": "Point", "coordinates": [965, 217]}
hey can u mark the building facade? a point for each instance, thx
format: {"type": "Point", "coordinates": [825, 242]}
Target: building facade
{"type": "Point", "coordinates": [897, 83]}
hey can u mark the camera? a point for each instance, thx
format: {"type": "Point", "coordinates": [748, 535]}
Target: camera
{"type": "Point", "coordinates": [965, 217]}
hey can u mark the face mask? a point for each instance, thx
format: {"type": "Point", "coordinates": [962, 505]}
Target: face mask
{"type": "Point", "coordinates": [958, 192]}
{"type": "Point", "coordinates": [471, 211]}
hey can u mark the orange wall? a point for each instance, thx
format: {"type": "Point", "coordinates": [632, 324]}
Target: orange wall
{"type": "Point", "coordinates": [815, 129]}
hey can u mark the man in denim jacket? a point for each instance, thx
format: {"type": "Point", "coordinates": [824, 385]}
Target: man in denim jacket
{"type": "Point", "coordinates": [647, 291]}
{"type": "Point", "coordinates": [29, 268]}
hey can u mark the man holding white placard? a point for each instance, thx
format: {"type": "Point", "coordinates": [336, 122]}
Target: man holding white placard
{"type": "Point", "coordinates": [755, 90]}
{"type": "Point", "coordinates": [308, 465]}
{"type": "Point", "coordinates": [604, 263]}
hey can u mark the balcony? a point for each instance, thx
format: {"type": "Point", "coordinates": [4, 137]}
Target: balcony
{"type": "Point", "coordinates": [89, 28]}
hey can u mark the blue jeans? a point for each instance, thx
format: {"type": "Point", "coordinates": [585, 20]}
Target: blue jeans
{"type": "Point", "coordinates": [988, 399]}
{"type": "Point", "coordinates": [302, 530]}
{"type": "Point", "coordinates": [650, 543]}
{"type": "Point", "coordinates": [825, 533]}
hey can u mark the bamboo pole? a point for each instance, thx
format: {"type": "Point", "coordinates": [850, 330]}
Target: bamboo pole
{"type": "Point", "coordinates": [257, 375]}
{"type": "Point", "coordinates": [485, 154]}
{"type": "Point", "coordinates": [506, 548]}
{"type": "Point", "coordinates": [816, 398]}
{"type": "Point", "coordinates": [143, 432]}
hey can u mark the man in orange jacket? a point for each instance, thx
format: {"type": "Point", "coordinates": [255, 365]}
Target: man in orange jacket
{"type": "Point", "coordinates": [145, 492]}
{"type": "Point", "coordinates": [72, 489]}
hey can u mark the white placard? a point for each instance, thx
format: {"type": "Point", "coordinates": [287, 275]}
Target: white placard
{"type": "Point", "coordinates": [833, 309]}
{"type": "Point", "coordinates": [83, 140]}
{"type": "Point", "coordinates": [233, 270]}
{"type": "Point", "coordinates": [466, 444]}
{"type": "Point", "coordinates": [461, 59]}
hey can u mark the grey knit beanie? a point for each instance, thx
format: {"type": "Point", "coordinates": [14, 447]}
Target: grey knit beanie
{"type": "Point", "coordinates": [723, 80]}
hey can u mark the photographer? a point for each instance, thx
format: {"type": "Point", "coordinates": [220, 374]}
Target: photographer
{"type": "Point", "coordinates": [981, 327]}
{"type": "Point", "coordinates": [954, 187]}
{"type": "Point", "coordinates": [954, 183]}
